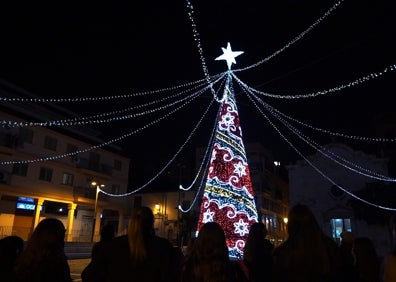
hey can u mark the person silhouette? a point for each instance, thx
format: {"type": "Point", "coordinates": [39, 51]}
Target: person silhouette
{"type": "Point", "coordinates": [208, 259]}
{"type": "Point", "coordinates": [308, 255]}
{"type": "Point", "coordinates": [107, 233]}
{"type": "Point", "coordinates": [139, 256]}
{"type": "Point", "coordinates": [347, 257]}
{"type": "Point", "coordinates": [367, 260]}
{"type": "Point", "coordinates": [10, 249]}
{"type": "Point", "coordinates": [389, 262]}
{"type": "Point", "coordinates": [44, 257]}
{"type": "Point", "coordinates": [257, 254]}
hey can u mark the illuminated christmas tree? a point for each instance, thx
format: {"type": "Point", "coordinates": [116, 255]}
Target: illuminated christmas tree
{"type": "Point", "coordinates": [228, 198]}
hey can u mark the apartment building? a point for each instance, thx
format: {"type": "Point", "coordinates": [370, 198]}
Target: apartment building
{"type": "Point", "coordinates": [57, 171]}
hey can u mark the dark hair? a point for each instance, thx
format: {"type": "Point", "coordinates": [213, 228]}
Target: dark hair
{"type": "Point", "coordinates": [140, 227]}
{"type": "Point", "coordinates": [208, 259]}
{"type": "Point", "coordinates": [11, 248]}
{"type": "Point", "coordinates": [307, 249]}
{"type": "Point", "coordinates": [107, 232]}
{"type": "Point", "coordinates": [255, 242]}
{"type": "Point", "coordinates": [45, 243]}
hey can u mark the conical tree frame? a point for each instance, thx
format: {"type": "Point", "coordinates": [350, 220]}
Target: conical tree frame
{"type": "Point", "coordinates": [228, 197]}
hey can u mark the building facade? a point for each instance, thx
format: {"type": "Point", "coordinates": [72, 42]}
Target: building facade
{"type": "Point", "coordinates": [42, 176]}
{"type": "Point", "coordinates": [336, 210]}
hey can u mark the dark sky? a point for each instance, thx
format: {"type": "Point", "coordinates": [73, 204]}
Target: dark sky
{"type": "Point", "coordinates": [86, 49]}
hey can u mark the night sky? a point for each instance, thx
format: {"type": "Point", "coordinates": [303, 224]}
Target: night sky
{"type": "Point", "coordinates": [75, 49]}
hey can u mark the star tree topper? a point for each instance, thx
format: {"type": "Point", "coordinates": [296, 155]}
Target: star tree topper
{"type": "Point", "coordinates": [229, 55]}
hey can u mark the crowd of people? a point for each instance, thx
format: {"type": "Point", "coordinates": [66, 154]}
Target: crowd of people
{"type": "Point", "coordinates": [140, 255]}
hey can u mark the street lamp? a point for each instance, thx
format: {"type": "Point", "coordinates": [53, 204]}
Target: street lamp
{"type": "Point", "coordinates": [98, 186]}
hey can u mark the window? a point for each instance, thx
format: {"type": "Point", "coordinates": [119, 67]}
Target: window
{"type": "Point", "coordinates": [117, 165]}
{"type": "Point", "coordinates": [20, 169]}
{"type": "Point", "coordinates": [339, 225]}
{"type": "Point", "coordinates": [45, 174]}
{"type": "Point", "coordinates": [50, 143]}
{"type": "Point", "coordinates": [26, 135]}
{"type": "Point", "coordinates": [67, 179]}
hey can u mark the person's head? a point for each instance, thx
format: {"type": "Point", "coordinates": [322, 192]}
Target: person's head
{"type": "Point", "coordinates": [45, 243]}
{"type": "Point", "coordinates": [302, 222]}
{"type": "Point", "coordinates": [49, 232]}
{"type": "Point", "coordinates": [258, 230]}
{"type": "Point", "coordinates": [107, 232]}
{"type": "Point", "coordinates": [10, 248]}
{"type": "Point", "coordinates": [142, 221]}
{"type": "Point", "coordinates": [208, 259]}
{"type": "Point", "coordinates": [211, 243]}
{"type": "Point", "coordinates": [140, 228]}
{"type": "Point", "coordinates": [255, 243]}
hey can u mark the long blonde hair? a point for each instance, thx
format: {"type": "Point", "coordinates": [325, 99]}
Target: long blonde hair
{"type": "Point", "coordinates": [140, 228]}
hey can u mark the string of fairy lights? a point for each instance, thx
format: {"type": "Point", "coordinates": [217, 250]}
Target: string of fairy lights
{"type": "Point", "coordinates": [336, 158]}
{"type": "Point", "coordinates": [203, 167]}
{"type": "Point", "coordinates": [108, 98]}
{"type": "Point", "coordinates": [54, 157]}
{"type": "Point", "coordinates": [135, 190]}
{"type": "Point", "coordinates": [95, 119]}
{"type": "Point", "coordinates": [315, 167]}
{"type": "Point", "coordinates": [194, 90]}
{"type": "Point", "coordinates": [354, 137]}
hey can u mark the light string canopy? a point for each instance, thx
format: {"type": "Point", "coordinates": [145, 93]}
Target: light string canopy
{"type": "Point", "coordinates": [171, 160]}
{"type": "Point", "coordinates": [106, 98]}
{"type": "Point", "coordinates": [204, 165]}
{"type": "Point", "coordinates": [202, 162]}
{"type": "Point", "coordinates": [322, 150]}
{"type": "Point", "coordinates": [197, 40]}
{"type": "Point", "coordinates": [354, 137]}
{"type": "Point", "coordinates": [117, 139]}
{"type": "Point", "coordinates": [353, 83]}
{"type": "Point", "coordinates": [315, 167]}
{"type": "Point", "coordinates": [95, 119]}
{"type": "Point", "coordinates": [297, 38]}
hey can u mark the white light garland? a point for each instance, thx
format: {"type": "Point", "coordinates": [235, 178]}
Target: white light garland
{"type": "Point", "coordinates": [345, 163]}
{"type": "Point", "coordinates": [95, 118]}
{"type": "Point", "coordinates": [301, 35]}
{"type": "Point", "coordinates": [316, 168]}
{"type": "Point", "coordinates": [327, 91]}
{"type": "Point", "coordinates": [102, 144]}
{"type": "Point", "coordinates": [190, 13]}
{"type": "Point", "coordinates": [135, 190]}
{"type": "Point", "coordinates": [105, 98]}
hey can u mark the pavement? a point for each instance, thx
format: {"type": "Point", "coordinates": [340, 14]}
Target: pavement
{"type": "Point", "coordinates": [76, 267]}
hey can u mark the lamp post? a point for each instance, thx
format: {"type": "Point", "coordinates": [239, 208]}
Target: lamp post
{"type": "Point", "coordinates": [98, 186]}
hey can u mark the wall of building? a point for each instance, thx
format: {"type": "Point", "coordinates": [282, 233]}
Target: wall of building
{"type": "Point", "coordinates": [111, 169]}
{"type": "Point", "coordinates": [327, 202]}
